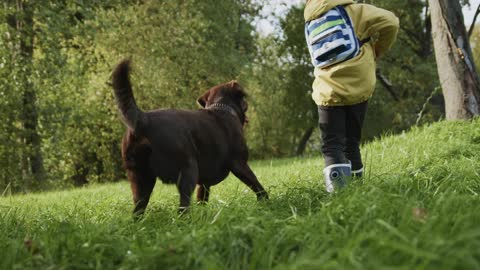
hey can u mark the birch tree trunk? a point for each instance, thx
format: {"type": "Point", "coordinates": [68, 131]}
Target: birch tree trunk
{"type": "Point", "coordinates": [456, 69]}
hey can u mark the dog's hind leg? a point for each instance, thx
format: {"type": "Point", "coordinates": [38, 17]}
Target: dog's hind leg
{"type": "Point", "coordinates": [187, 179]}
{"type": "Point", "coordinates": [142, 184]}
{"type": "Point", "coordinates": [243, 172]}
{"type": "Point", "coordinates": [203, 192]}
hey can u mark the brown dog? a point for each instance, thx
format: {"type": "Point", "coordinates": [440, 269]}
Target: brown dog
{"type": "Point", "coordinates": [181, 147]}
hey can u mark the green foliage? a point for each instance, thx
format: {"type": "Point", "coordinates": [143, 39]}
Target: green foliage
{"type": "Point", "coordinates": [268, 131]}
{"type": "Point", "coordinates": [280, 86]}
{"type": "Point", "coordinates": [410, 61]}
{"type": "Point", "coordinates": [180, 49]}
{"type": "Point", "coordinates": [475, 43]}
{"type": "Point", "coordinates": [416, 208]}
{"type": "Point", "coordinates": [303, 111]}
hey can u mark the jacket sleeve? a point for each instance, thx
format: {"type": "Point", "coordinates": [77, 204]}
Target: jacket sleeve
{"type": "Point", "coordinates": [381, 26]}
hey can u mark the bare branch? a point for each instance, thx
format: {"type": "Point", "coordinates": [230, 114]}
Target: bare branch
{"type": "Point", "coordinates": [472, 26]}
{"type": "Point", "coordinates": [387, 84]}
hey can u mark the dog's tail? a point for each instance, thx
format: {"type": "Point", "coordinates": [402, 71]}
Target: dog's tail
{"type": "Point", "coordinates": [132, 116]}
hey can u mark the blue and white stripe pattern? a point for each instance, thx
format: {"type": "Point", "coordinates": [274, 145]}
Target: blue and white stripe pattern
{"type": "Point", "coordinates": [331, 38]}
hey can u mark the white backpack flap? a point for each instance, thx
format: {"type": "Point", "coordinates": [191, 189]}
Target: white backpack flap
{"type": "Point", "coordinates": [331, 38]}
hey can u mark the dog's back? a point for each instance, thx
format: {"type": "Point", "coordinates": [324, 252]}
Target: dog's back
{"type": "Point", "coordinates": [177, 136]}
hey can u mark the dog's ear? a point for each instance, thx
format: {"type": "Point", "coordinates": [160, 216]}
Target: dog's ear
{"type": "Point", "coordinates": [239, 91]}
{"type": "Point", "coordinates": [203, 99]}
{"type": "Point", "coordinates": [235, 85]}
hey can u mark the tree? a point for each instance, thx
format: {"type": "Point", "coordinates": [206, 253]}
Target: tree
{"type": "Point", "coordinates": [56, 57]}
{"type": "Point", "coordinates": [22, 23]}
{"type": "Point", "coordinates": [403, 91]}
{"type": "Point", "coordinates": [303, 111]}
{"type": "Point", "coordinates": [456, 68]}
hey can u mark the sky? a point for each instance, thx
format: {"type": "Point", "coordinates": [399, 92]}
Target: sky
{"type": "Point", "coordinates": [276, 7]}
{"type": "Point", "coordinates": [468, 13]}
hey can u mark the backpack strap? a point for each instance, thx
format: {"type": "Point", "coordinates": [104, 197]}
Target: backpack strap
{"type": "Point", "coordinates": [363, 41]}
{"type": "Point", "coordinates": [342, 8]}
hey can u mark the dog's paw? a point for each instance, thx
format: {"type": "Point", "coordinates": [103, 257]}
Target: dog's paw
{"type": "Point", "coordinates": [262, 196]}
{"type": "Point", "coordinates": [202, 203]}
{"type": "Point", "coordinates": [183, 210]}
{"type": "Point", "coordinates": [138, 216]}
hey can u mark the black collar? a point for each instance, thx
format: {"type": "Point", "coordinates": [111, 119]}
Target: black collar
{"type": "Point", "coordinates": [223, 107]}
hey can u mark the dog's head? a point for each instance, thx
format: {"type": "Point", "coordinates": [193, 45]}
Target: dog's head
{"type": "Point", "coordinates": [230, 94]}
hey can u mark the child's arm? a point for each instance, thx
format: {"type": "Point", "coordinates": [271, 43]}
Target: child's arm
{"type": "Point", "coordinates": [381, 25]}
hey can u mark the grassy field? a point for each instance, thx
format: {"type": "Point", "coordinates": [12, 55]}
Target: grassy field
{"type": "Point", "coordinates": [418, 207]}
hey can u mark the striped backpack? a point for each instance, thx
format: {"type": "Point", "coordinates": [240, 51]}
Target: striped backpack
{"type": "Point", "coordinates": [331, 38]}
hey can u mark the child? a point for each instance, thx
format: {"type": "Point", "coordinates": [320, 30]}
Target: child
{"type": "Point", "coordinates": [345, 76]}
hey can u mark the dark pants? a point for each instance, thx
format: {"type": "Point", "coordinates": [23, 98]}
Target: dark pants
{"type": "Point", "coordinates": [341, 128]}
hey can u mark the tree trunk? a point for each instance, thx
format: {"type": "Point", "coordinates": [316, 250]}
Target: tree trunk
{"type": "Point", "coordinates": [303, 142]}
{"type": "Point", "coordinates": [456, 69]}
{"type": "Point", "coordinates": [23, 23]}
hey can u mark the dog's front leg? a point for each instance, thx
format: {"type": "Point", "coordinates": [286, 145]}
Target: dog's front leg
{"type": "Point", "coordinates": [186, 182]}
{"type": "Point", "coordinates": [243, 172]}
{"type": "Point", "coordinates": [142, 184]}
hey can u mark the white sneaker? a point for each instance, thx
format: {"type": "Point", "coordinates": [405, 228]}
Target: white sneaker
{"type": "Point", "coordinates": [336, 176]}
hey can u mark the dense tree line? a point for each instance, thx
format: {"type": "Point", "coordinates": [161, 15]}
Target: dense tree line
{"type": "Point", "coordinates": [59, 125]}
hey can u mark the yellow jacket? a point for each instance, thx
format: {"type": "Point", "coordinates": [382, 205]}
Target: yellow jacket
{"type": "Point", "coordinates": [353, 81]}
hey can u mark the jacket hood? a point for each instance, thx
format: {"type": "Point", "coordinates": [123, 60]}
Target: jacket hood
{"type": "Point", "coordinates": [315, 8]}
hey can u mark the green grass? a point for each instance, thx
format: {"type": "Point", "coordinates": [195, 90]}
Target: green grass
{"type": "Point", "coordinates": [418, 207]}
